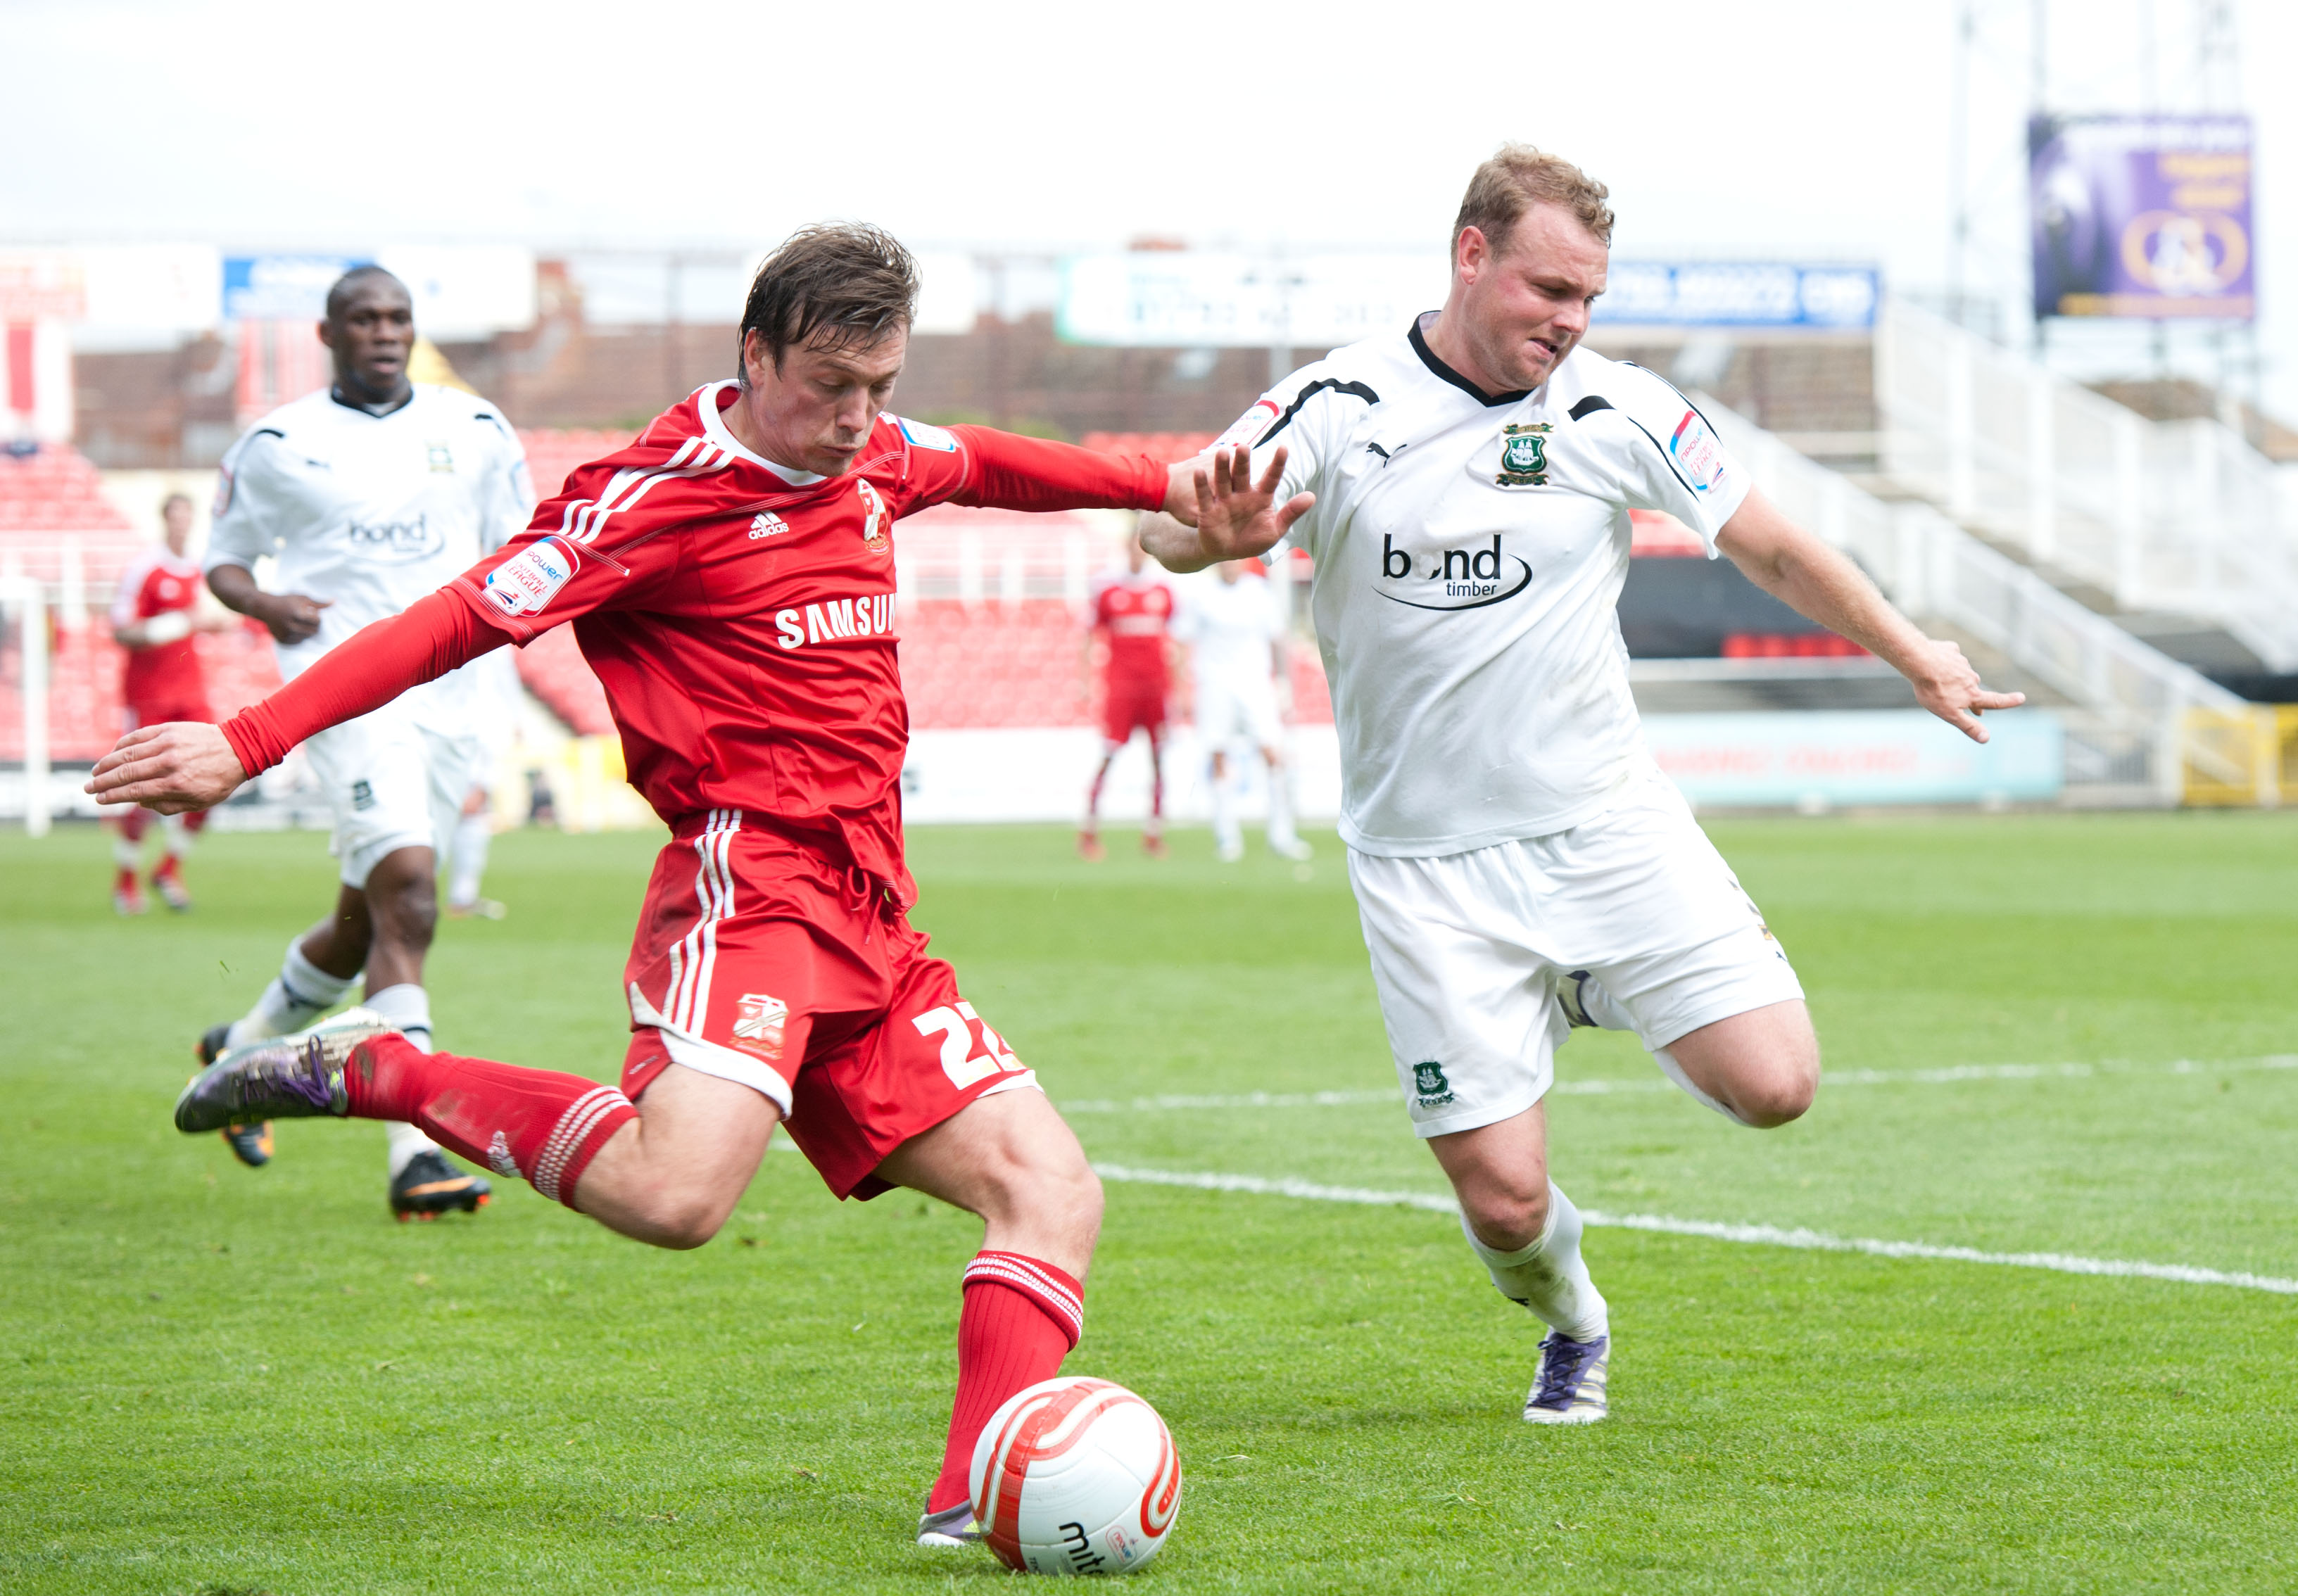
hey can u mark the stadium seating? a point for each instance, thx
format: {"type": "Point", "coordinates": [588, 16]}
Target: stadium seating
{"type": "Point", "coordinates": [1157, 446]}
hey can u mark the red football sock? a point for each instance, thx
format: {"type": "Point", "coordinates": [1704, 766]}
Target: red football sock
{"type": "Point", "coordinates": [1020, 1319]}
{"type": "Point", "coordinates": [538, 1124]}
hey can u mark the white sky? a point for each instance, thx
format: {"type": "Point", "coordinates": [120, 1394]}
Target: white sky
{"type": "Point", "coordinates": [1782, 128]}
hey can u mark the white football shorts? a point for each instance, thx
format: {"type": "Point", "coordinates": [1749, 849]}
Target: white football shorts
{"type": "Point", "coordinates": [1468, 950]}
{"type": "Point", "coordinates": [394, 783]}
{"type": "Point", "coordinates": [1232, 710]}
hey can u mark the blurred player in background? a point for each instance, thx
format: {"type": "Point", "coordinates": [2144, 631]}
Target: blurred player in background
{"type": "Point", "coordinates": [1235, 631]}
{"type": "Point", "coordinates": [370, 494]}
{"type": "Point", "coordinates": [1131, 618]}
{"type": "Point", "coordinates": [1521, 866]}
{"type": "Point", "coordinates": [730, 577]}
{"type": "Point", "coordinates": [155, 613]}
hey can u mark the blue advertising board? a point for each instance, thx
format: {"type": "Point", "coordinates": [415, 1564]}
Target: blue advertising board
{"type": "Point", "coordinates": [1857, 757]}
{"type": "Point", "coordinates": [281, 288]}
{"type": "Point", "coordinates": [1748, 294]}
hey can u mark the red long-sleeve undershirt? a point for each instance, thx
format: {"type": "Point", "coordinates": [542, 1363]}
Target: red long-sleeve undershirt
{"type": "Point", "coordinates": [374, 666]}
{"type": "Point", "coordinates": [1012, 472]}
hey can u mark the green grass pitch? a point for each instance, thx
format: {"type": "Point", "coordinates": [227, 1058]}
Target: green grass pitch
{"type": "Point", "coordinates": [217, 1380]}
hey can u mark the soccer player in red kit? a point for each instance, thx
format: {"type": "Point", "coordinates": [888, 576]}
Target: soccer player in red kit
{"type": "Point", "coordinates": [730, 577]}
{"type": "Point", "coordinates": [1134, 613]}
{"type": "Point", "coordinates": [154, 616]}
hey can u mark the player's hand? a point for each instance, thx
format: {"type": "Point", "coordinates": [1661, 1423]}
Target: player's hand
{"type": "Point", "coordinates": [1948, 684]}
{"type": "Point", "coordinates": [1237, 518]}
{"type": "Point", "coordinates": [173, 767]}
{"type": "Point", "coordinates": [293, 618]}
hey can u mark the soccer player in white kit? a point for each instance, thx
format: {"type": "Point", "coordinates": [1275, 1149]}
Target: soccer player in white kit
{"type": "Point", "coordinates": [1520, 864]}
{"type": "Point", "coordinates": [370, 494]}
{"type": "Point", "coordinates": [1236, 632]}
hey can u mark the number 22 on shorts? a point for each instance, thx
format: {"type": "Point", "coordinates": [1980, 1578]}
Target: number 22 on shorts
{"type": "Point", "coordinates": [957, 1060]}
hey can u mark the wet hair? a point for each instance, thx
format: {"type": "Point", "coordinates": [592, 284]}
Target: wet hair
{"type": "Point", "coordinates": [834, 285]}
{"type": "Point", "coordinates": [1519, 176]}
{"type": "Point", "coordinates": [340, 291]}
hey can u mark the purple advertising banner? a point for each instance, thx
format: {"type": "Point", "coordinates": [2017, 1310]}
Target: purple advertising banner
{"type": "Point", "coordinates": [2142, 216]}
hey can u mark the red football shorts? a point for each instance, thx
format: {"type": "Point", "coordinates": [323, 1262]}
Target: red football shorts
{"type": "Point", "coordinates": [758, 962]}
{"type": "Point", "coordinates": [159, 712]}
{"type": "Point", "coordinates": [1129, 705]}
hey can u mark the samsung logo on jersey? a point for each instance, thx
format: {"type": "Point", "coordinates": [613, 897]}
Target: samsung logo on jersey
{"type": "Point", "coordinates": [1455, 578]}
{"type": "Point", "coordinates": [836, 621]}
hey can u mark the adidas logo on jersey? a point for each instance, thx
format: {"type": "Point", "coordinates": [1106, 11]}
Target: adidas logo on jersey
{"type": "Point", "coordinates": [766, 525]}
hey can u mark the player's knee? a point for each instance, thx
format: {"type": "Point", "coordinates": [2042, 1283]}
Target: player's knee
{"type": "Point", "coordinates": [1779, 1093]}
{"type": "Point", "coordinates": [1506, 1214]}
{"type": "Point", "coordinates": [681, 1221]}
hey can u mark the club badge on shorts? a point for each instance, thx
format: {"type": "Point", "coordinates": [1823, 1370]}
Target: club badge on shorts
{"type": "Point", "coordinates": [1429, 1085]}
{"type": "Point", "coordinates": [758, 1022]}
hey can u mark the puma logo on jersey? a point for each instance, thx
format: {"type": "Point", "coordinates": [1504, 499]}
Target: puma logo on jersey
{"type": "Point", "coordinates": [836, 621]}
{"type": "Point", "coordinates": [766, 525]}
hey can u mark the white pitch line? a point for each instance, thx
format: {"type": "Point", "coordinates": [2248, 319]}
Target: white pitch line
{"type": "Point", "coordinates": [1943, 1076]}
{"type": "Point", "coordinates": [1764, 1236]}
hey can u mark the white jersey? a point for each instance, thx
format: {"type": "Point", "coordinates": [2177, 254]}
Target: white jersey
{"type": "Point", "coordinates": [371, 512]}
{"type": "Point", "coordinates": [1230, 626]}
{"type": "Point", "coordinates": [1469, 551]}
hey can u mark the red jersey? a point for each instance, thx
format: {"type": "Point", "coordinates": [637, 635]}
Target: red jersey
{"type": "Point", "coordinates": [741, 614]}
{"type": "Point", "coordinates": [164, 676]}
{"type": "Point", "coordinates": [1137, 612]}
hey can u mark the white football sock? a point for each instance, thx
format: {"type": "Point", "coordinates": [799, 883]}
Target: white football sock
{"type": "Point", "coordinates": [1227, 835]}
{"type": "Point", "coordinates": [1600, 1005]}
{"type": "Point", "coordinates": [1550, 1277]}
{"type": "Point", "coordinates": [1675, 1073]}
{"type": "Point", "coordinates": [407, 1008]}
{"type": "Point", "coordinates": [178, 839]}
{"type": "Point", "coordinates": [473, 832]}
{"type": "Point", "coordinates": [298, 994]}
{"type": "Point", "coordinates": [1282, 837]}
{"type": "Point", "coordinates": [404, 1141]}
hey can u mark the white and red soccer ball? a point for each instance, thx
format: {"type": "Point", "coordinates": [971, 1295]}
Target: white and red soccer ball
{"type": "Point", "coordinates": [1075, 1476]}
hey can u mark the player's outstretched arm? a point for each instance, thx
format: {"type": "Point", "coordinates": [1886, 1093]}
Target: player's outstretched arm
{"type": "Point", "coordinates": [179, 766]}
{"type": "Point", "coordinates": [1822, 584]}
{"type": "Point", "coordinates": [1218, 512]}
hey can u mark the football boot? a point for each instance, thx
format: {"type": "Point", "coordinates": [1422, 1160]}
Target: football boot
{"type": "Point", "coordinates": [167, 881]}
{"type": "Point", "coordinates": [429, 1185]}
{"type": "Point", "coordinates": [286, 1077]}
{"type": "Point", "coordinates": [1570, 1387]}
{"type": "Point", "coordinates": [248, 1144]}
{"type": "Point", "coordinates": [128, 894]}
{"type": "Point", "coordinates": [1089, 848]}
{"type": "Point", "coordinates": [951, 1526]}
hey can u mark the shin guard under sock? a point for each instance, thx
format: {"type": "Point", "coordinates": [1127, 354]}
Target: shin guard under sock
{"type": "Point", "coordinates": [537, 1125]}
{"type": "Point", "coordinates": [1021, 1317]}
{"type": "Point", "coordinates": [1550, 1277]}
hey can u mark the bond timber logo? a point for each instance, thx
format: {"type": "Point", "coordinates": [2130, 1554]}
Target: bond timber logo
{"type": "Point", "coordinates": [1467, 578]}
{"type": "Point", "coordinates": [765, 524]}
{"type": "Point", "coordinates": [758, 1024]}
{"type": "Point", "coordinates": [1524, 454]}
{"type": "Point", "coordinates": [1429, 1085]}
{"type": "Point", "coordinates": [874, 519]}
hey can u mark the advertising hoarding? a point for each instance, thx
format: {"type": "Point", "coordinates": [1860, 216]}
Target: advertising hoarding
{"type": "Point", "coordinates": [2142, 216]}
{"type": "Point", "coordinates": [1153, 299]}
{"type": "Point", "coordinates": [1857, 757]}
{"type": "Point", "coordinates": [460, 291]}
